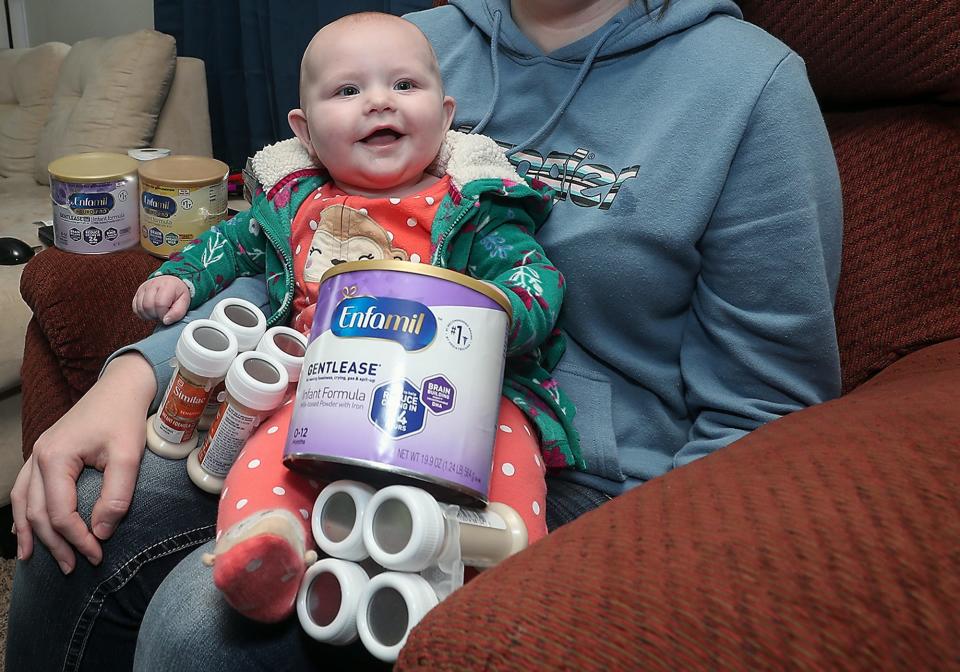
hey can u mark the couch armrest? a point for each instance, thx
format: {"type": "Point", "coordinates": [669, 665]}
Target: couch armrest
{"type": "Point", "coordinates": [824, 540]}
{"type": "Point", "coordinates": [81, 313]}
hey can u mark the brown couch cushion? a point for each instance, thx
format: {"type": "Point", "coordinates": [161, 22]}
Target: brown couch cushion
{"type": "Point", "coordinates": [824, 540]}
{"type": "Point", "coordinates": [28, 78]}
{"type": "Point", "coordinates": [899, 288]}
{"type": "Point", "coordinates": [108, 97]}
{"type": "Point", "coordinates": [901, 50]}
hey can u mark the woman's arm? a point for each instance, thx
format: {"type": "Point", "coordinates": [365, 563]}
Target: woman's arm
{"type": "Point", "coordinates": [760, 340]}
{"type": "Point", "coordinates": [104, 430]}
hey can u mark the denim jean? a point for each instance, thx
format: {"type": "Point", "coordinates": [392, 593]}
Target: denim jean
{"type": "Point", "coordinates": [89, 619]}
{"type": "Point", "coordinates": [151, 605]}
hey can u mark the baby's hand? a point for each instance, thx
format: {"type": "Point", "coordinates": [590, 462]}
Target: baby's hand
{"type": "Point", "coordinates": [164, 298]}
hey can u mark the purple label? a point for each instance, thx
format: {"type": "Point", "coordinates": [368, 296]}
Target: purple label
{"type": "Point", "coordinates": [425, 289]}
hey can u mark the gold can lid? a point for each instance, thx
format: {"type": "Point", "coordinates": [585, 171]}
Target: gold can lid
{"type": "Point", "coordinates": [92, 167]}
{"type": "Point", "coordinates": [184, 171]}
{"type": "Point", "coordinates": [490, 291]}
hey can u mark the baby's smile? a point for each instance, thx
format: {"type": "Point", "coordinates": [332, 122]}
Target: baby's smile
{"type": "Point", "coordinates": [382, 137]}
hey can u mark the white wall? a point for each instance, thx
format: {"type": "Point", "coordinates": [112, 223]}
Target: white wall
{"type": "Point", "coordinates": [72, 20]}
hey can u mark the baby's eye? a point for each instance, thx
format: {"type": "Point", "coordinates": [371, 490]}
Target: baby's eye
{"type": "Point", "coordinates": [315, 249]}
{"type": "Point", "coordinates": [365, 256]}
{"type": "Point", "coordinates": [348, 91]}
{"type": "Point", "coordinates": [403, 85]}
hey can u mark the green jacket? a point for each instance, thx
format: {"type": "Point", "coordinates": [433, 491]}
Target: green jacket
{"type": "Point", "coordinates": [484, 227]}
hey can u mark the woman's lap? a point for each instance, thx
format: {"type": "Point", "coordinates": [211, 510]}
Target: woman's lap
{"type": "Point", "coordinates": [209, 635]}
{"type": "Point", "coordinates": [89, 619]}
{"type": "Point", "coordinates": [92, 618]}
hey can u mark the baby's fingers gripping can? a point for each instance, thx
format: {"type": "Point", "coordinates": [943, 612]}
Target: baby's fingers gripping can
{"type": "Point", "coordinates": [402, 378]}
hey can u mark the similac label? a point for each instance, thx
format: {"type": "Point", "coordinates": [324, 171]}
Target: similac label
{"type": "Point", "coordinates": [229, 431]}
{"type": "Point", "coordinates": [183, 404]}
{"type": "Point", "coordinates": [402, 372]}
{"type": "Point", "coordinates": [216, 398]}
{"type": "Point", "coordinates": [481, 519]}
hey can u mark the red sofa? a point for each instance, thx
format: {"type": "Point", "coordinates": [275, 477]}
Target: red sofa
{"type": "Point", "coordinates": [829, 539]}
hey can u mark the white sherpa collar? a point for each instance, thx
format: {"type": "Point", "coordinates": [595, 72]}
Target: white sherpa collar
{"type": "Point", "coordinates": [463, 157]}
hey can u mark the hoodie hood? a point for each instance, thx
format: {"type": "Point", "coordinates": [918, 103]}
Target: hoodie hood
{"type": "Point", "coordinates": [633, 28]}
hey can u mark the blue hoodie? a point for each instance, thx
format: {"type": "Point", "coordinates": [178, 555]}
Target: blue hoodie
{"type": "Point", "coordinates": [698, 220]}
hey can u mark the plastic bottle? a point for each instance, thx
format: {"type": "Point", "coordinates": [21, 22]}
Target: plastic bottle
{"type": "Point", "coordinates": [287, 346]}
{"type": "Point", "coordinates": [248, 323]}
{"type": "Point", "coordinates": [255, 385]}
{"type": "Point", "coordinates": [404, 529]}
{"type": "Point", "coordinates": [337, 520]}
{"type": "Point", "coordinates": [390, 605]}
{"type": "Point", "coordinates": [204, 353]}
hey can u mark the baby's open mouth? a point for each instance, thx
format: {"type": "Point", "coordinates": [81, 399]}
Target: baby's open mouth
{"type": "Point", "coordinates": [384, 136]}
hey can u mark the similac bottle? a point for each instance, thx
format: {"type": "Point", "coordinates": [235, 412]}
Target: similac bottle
{"type": "Point", "coordinates": [204, 353]}
{"type": "Point", "coordinates": [288, 347]}
{"type": "Point", "coordinates": [404, 529]}
{"type": "Point", "coordinates": [247, 322]}
{"type": "Point", "coordinates": [256, 384]}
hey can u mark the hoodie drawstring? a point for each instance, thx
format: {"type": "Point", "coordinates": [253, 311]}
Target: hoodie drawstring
{"type": "Point", "coordinates": [562, 107]}
{"type": "Point", "coordinates": [494, 48]}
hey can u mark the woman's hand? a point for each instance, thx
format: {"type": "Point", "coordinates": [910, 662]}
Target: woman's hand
{"type": "Point", "coordinates": [104, 430]}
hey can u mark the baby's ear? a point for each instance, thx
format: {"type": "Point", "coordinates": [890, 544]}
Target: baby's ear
{"type": "Point", "coordinates": [298, 123]}
{"type": "Point", "coordinates": [449, 107]}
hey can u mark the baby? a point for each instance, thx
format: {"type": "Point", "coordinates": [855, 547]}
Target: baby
{"type": "Point", "coordinates": [374, 173]}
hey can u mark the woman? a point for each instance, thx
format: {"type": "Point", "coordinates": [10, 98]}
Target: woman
{"type": "Point", "coordinates": [698, 225]}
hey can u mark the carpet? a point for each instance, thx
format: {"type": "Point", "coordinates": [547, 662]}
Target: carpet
{"type": "Point", "coordinates": [6, 583]}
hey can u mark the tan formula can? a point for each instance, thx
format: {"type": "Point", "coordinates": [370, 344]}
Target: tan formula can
{"type": "Point", "coordinates": [180, 198]}
{"type": "Point", "coordinates": [94, 197]}
{"type": "Point", "coordinates": [401, 380]}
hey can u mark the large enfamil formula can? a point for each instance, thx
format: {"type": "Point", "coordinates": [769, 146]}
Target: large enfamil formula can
{"type": "Point", "coordinates": [180, 198]}
{"type": "Point", "coordinates": [401, 380]}
{"type": "Point", "coordinates": [94, 197]}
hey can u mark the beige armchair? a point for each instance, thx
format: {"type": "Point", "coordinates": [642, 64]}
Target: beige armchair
{"type": "Point", "coordinates": [99, 95]}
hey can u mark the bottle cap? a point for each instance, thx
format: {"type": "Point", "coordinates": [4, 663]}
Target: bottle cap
{"type": "Point", "coordinates": [244, 319]}
{"type": "Point", "coordinates": [288, 346]}
{"type": "Point", "coordinates": [206, 348]}
{"type": "Point", "coordinates": [337, 520]}
{"type": "Point", "coordinates": [392, 604]}
{"type": "Point", "coordinates": [256, 380]}
{"type": "Point", "coordinates": [403, 528]}
{"type": "Point", "coordinates": [328, 598]}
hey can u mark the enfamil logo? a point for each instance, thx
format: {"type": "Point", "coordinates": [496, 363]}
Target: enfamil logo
{"type": "Point", "coordinates": [409, 323]}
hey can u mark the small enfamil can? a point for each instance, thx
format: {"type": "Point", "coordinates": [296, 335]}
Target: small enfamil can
{"type": "Point", "coordinates": [180, 197]}
{"type": "Point", "coordinates": [94, 197]}
{"type": "Point", "coordinates": [401, 380]}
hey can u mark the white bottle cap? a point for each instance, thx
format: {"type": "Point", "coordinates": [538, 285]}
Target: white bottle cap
{"type": "Point", "coordinates": [389, 608]}
{"type": "Point", "coordinates": [288, 346]}
{"type": "Point", "coordinates": [206, 348]}
{"type": "Point", "coordinates": [328, 598]}
{"type": "Point", "coordinates": [403, 528]}
{"type": "Point", "coordinates": [148, 153]}
{"type": "Point", "coordinates": [244, 319]}
{"type": "Point", "coordinates": [256, 380]}
{"type": "Point", "coordinates": [337, 520]}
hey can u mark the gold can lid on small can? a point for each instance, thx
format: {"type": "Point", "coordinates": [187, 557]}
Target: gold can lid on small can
{"type": "Point", "coordinates": [184, 171]}
{"type": "Point", "coordinates": [92, 167]}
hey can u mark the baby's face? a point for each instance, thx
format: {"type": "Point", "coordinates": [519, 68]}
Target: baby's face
{"type": "Point", "coordinates": [375, 109]}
